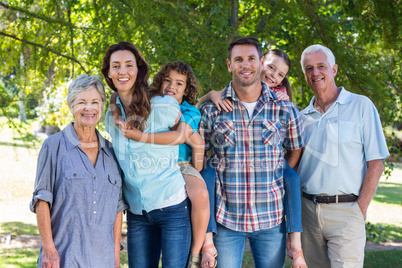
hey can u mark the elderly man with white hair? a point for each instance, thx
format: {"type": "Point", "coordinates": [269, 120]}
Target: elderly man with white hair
{"type": "Point", "coordinates": [341, 165]}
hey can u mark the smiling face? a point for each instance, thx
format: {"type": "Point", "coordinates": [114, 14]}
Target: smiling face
{"type": "Point", "coordinates": [123, 71]}
{"type": "Point", "coordinates": [87, 108]}
{"type": "Point", "coordinates": [244, 65]}
{"type": "Point", "coordinates": [274, 70]}
{"type": "Point", "coordinates": [174, 85]}
{"type": "Point", "coordinates": [319, 74]}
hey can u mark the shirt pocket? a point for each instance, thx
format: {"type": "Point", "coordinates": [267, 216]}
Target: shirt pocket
{"type": "Point", "coordinates": [74, 181]}
{"type": "Point", "coordinates": [225, 134]}
{"type": "Point", "coordinates": [271, 132]}
{"type": "Point", "coordinates": [113, 186]}
{"type": "Point", "coordinates": [340, 131]}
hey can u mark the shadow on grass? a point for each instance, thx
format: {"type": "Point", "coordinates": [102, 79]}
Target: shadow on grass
{"type": "Point", "coordinates": [388, 193]}
{"type": "Point", "coordinates": [18, 228]}
{"type": "Point", "coordinates": [22, 145]}
{"type": "Point", "coordinates": [19, 257]}
{"type": "Point", "coordinates": [384, 259]}
{"type": "Point", "coordinates": [382, 232]}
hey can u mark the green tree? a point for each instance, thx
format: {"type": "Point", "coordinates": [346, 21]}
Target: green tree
{"type": "Point", "coordinates": [61, 39]}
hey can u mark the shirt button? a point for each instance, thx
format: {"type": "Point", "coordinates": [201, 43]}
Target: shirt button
{"type": "Point", "coordinates": [94, 202]}
{"type": "Point", "coordinates": [94, 212]}
{"type": "Point", "coordinates": [94, 192]}
{"type": "Point", "coordinates": [95, 178]}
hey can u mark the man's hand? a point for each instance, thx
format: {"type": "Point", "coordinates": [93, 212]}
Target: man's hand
{"type": "Point", "coordinates": [50, 258]}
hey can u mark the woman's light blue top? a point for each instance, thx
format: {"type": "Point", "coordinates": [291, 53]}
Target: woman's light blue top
{"type": "Point", "coordinates": [151, 173]}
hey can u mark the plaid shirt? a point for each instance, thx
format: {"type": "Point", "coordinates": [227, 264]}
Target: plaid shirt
{"type": "Point", "coordinates": [248, 157]}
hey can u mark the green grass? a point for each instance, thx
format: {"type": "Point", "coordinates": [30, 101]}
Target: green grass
{"type": "Point", "coordinates": [24, 258]}
{"type": "Point", "coordinates": [18, 257]}
{"type": "Point", "coordinates": [18, 228]}
{"type": "Point", "coordinates": [382, 232]}
{"type": "Point", "coordinates": [383, 259]}
{"type": "Point", "coordinates": [389, 193]}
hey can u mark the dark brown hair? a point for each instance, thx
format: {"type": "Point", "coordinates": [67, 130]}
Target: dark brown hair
{"type": "Point", "coordinates": [140, 107]}
{"type": "Point", "coordinates": [285, 57]}
{"type": "Point", "coordinates": [245, 41]}
{"type": "Point", "coordinates": [191, 91]}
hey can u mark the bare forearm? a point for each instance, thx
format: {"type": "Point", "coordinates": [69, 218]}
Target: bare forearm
{"type": "Point", "coordinates": [197, 145]}
{"type": "Point", "coordinates": [173, 137]}
{"type": "Point", "coordinates": [44, 224]}
{"type": "Point", "coordinates": [203, 99]}
{"type": "Point", "coordinates": [293, 156]}
{"type": "Point", "coordinates": [50, 256]}
{"type": "Point", "coordinates": [117, 232]}
{"type": "Point", "coordinates": [370, 183]}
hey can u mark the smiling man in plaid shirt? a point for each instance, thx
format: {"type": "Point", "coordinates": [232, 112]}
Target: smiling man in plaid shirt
{"type": "Point", "coordinates": [249, 159]}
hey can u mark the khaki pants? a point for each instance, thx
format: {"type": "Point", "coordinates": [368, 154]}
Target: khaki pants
{"type": "Point", "coordinates": [333, 235]}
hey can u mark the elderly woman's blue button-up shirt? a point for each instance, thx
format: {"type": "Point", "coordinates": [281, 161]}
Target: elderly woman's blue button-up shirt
{"type": "Point", "coordinates": [84, 200]}
{"type": "Point", "coordinates": [151, 173]}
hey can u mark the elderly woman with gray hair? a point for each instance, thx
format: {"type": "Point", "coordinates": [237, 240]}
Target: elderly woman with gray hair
{"type": "Point", "coordinates": [78, 188]}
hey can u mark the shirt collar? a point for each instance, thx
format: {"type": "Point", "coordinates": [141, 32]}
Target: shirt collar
{"type": "Point", "coordinates": [229, 92]}
{"type": "Point", "coordinates": [118, 103]}
{"type": "Point", "coordinates": [72, 141]}
{"type": "Point", "coordinates": [343, 98]}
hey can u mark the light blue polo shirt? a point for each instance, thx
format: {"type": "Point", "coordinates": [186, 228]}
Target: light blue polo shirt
{"type": "Point", "coordinates": [151, 173]}
{"type": "Point", "coordinates": [338, 145]}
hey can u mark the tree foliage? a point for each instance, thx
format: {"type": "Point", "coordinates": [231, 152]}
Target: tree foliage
{"type": "Point", "coordinates": [58, 40]}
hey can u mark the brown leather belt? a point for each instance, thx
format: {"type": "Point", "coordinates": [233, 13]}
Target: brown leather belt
{"type": "Point", "coordinates": [327, 199]}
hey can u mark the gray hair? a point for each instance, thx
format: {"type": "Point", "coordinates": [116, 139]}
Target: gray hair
{"type": "Point", "coordinates": [83, 83]}
{"type": "Point", "coordinates": [318, 48]}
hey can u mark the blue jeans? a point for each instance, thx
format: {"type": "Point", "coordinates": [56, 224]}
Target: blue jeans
{"type": "Point", "coordinates": [292, 199]}
{"type": "Point", "coordinates": [208, 174]}
{"type": "Point", "coordinates": [267, 246]}
{"type": "Point", "coordinates": [166, 230]}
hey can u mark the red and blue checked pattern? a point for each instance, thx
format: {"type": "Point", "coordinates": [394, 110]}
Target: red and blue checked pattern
{"type": "Point", "coordinates": [248, 157]}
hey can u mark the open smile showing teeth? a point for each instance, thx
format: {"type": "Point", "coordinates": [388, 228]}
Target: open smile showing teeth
{"type": "Point", "coordinates": [316, 80]}
{"type": "Point", "coordinates": [88, 115]}
{"type": "Point", "coordinates": [123, 79]}
{"type": "Point", "coordinates": [169, 93]}
{"type": "Point", "coordinates": [269, 80]}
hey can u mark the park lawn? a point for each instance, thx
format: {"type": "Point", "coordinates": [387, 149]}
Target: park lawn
{"type": "Point", "coordinates": [26, 257]}
{"type": "Point", "coordinates": [384, 222]}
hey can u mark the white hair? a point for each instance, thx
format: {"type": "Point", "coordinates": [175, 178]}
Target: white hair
{"type": "Point", "coordinates": [318, 48]}
{"type": "Point", "coordinates": [83, 83]}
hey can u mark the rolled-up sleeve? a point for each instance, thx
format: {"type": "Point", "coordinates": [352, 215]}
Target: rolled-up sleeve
{"type": "Point", "coordinates": [122, 205]}
{"type": "Point", "coordinates": [45, 177]}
